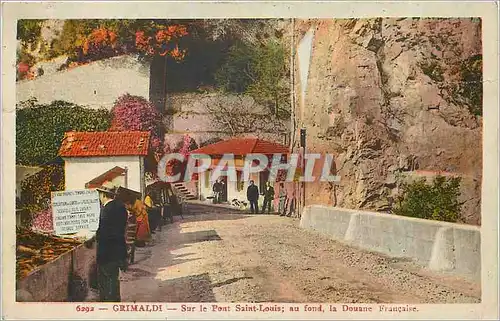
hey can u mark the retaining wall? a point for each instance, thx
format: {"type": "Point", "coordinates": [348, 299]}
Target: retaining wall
{"type": "Point", "coordinates": [67, 278]}
{"type": "Point", "coordinates": [440, 246]}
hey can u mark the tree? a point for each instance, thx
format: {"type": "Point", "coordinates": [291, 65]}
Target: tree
{"type": "Point", "coordinates": [271, 85]}
{"type": "Point", "coordinates": [260, 71]}
{"type": "Point", "coordinates": [40, 128]}
{"type": "Point", "coordinates": [29, 34]}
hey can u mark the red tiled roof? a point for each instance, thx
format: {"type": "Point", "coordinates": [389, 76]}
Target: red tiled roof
{"type": "Point", "coordinates": [88, 144]}
{"type": "Point", "coordinates": [242, 147]}
{"type": "Point", "coordinates": [106, 177]}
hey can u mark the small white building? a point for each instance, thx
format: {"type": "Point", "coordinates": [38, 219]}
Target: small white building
{"type": "Point", "coordinates": [105, 156]}
{"type": "Point", "coordinates": [239, 147]}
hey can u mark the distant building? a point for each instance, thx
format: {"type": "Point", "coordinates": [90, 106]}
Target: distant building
{"type": "Point", "coordinates": [93, 158]}
{"type": "Point", "coordinates": [239, 147]}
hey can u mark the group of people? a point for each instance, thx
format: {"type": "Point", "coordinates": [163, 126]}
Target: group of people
{"type": "Point", "coordinates": [219, 190]}
{"type": "Point", "coordinates": [253, 195]}
{"type": "Point", "coordinates": [269, 196]}
{"type": "Point", "coordinates": [111, 237]}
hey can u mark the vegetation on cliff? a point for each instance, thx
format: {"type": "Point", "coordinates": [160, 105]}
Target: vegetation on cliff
{"type": "Point", "coordinates": [438, 200]}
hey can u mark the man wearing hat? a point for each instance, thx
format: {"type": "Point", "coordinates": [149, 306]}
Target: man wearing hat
{"type": "Point", "coordinates": [111, 245]}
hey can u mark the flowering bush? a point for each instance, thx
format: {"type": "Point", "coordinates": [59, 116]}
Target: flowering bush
{"type": "Point", "coordinates": [175, 166]}
{"type": "Point", "coordinates": [134, 113]}
{"type": "Point", "coordinates": [101, 43]}
{"type": "Point", "coordinates": [36, 194]}
{"type": "Point", "coordinates": [94, 39]}
{"type": "Point", "coordinates": [159, 41]}
{"type": "Point", "coordinates": [23, 68]}
{"type": "Point", "coordinates": [42, 221]}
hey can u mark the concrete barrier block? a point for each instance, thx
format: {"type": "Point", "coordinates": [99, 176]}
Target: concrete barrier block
{"type": "Point", "coordinates": [443, 256]}
{"type": "Point", "coordinates": [441, 246]}
{"type": "Point", "coordinates": [351, 234]}
{"type": "Point", "coordinates": [467, 245]}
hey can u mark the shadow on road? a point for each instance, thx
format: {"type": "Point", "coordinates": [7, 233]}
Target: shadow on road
{"type": "Point", "coordinates": [199, 212]}
{"type": "Point", "coordinates": [193, 288]}
{"type": "Point", "coordinates": [145, 280]}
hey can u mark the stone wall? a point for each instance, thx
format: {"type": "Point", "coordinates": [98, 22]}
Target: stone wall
{"type": "Point", "coordinates": [95, 85]}
{"type": "Point", "coordinates": [65, 279]}
{"type": "Point", "coordinates": [208, 116]}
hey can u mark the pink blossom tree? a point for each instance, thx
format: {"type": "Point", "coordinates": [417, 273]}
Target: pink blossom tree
{"type": "Point", "coordinates": [134, 113]}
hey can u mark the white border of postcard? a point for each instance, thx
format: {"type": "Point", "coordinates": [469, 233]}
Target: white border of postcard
{"type": "Point", "coordinates": [488, 11]}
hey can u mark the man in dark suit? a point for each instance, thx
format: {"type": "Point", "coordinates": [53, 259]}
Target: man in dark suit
{"type": "Point", "coordinates": [253, 197]}
{"type": "Point", "coordinates": [268, 197]}
{"type": "Point", "coordinates": [111, 245]}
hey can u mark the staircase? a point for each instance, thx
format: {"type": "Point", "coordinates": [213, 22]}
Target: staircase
{"type": "Point", "coordinates": [184, 192]}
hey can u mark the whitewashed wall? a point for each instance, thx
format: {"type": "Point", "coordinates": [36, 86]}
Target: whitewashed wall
{"type": "Point", "coordinates": [95, 85]}
{"type": "Point", "coordinates": [80, 170]}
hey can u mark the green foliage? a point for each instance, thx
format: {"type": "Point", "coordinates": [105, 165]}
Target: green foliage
{"type": "Point", "coordinates": [432, 70]}
{"type": "Point", "coordinates": [29, 32]}
{"type": "Point", "coordinates": [238, 73]}
{"type": "Point", "coordinates": [36, 190]}
{"type": "Point", "coordinates": [260, 71]}
{"type": "Point", "coordinates": [471, 86]}
{"type": "Point", "coordinates": [40, 128]}
{"type": "Point", "coordinates": [437, 201]}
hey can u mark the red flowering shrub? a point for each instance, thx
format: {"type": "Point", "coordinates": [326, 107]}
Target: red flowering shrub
{"type": "Point", "coordinates": [159, 41]}
{"type": "Point", "coordinates": [100, 43]}
{"type": "Point", "coordinates": [149, 39]}
{"type": "Point", "coordinates": [23, 67]}
{"type": "Point", "coordinates": [175, 166]}
{"type": "Point", "coordinates": [42, 221]}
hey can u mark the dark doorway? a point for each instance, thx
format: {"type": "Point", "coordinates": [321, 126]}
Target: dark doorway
{"type": "Point", "coordinates": [263, 178]}
{"type": "Point", "coordinates": [223, 180]}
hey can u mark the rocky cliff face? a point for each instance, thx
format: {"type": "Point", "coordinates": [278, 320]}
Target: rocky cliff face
{"type": "Point", "coordinates": [391, 97]}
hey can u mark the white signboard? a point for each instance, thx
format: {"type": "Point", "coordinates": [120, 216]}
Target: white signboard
{"type": "Point", "coordinates": [75, 210]}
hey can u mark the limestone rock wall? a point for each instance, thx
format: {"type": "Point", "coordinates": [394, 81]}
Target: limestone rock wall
{"type": "Point", "coordinates": [386, 96]}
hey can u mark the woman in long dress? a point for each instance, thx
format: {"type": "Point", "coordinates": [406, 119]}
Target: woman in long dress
{"type": "Point", "coordinates": [143, 230]}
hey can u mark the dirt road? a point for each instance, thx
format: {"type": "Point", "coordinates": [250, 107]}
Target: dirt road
{"type": "Point", "coordinates": [224, 256]}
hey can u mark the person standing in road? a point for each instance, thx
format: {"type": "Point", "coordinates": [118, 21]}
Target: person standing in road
{"type": "Point", "coordinates": [111, 245]}
{"type": "Point", "coordinates": [253, 197]}
{"type": "Point", "coordinates": [268, 198]}
{"type": "Point", "coordinates": [223, 189]}
{"type": "Point", "coordinates": [282, 196]}
{"type": "Point", "coordinates": [153, 212]}
{"type": "Point", "coordinates": [217, 189]}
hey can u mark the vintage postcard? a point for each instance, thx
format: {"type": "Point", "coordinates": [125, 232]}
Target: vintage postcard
{"type": "Point", "coordinates": [249, 160]}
